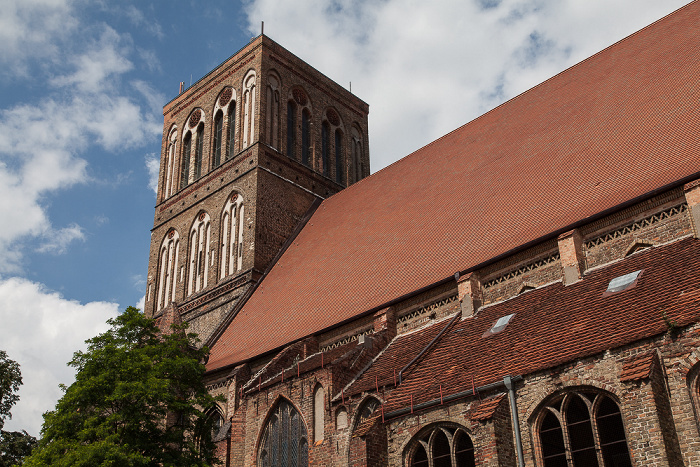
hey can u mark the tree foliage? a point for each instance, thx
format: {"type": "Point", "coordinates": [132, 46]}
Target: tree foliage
{"type": "Point", "coordinates": [15, 446]}
{"type": "Point", "coordinates": [10, 381]}
{"type": "Point", "coordinates": [138, 400]}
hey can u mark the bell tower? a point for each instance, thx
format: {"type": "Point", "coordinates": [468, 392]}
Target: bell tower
{"type": "Point", "coordinates": [247, 152]}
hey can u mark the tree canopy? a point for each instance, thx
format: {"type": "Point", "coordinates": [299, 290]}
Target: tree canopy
{"type": "Point", "coordinates": [10, 381]}
{"type": "Point", "coordinates": [138, 400]}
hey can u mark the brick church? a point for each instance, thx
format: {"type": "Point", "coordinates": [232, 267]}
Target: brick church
{"type": "Point", "coordinates": [523, 291]}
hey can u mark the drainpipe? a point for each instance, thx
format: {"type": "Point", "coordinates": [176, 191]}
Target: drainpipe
{"type": "Point", "coordinates": [508, 381]}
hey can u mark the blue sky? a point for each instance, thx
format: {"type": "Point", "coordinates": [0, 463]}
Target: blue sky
{"type": "Point", "coordinates": [81, 93]}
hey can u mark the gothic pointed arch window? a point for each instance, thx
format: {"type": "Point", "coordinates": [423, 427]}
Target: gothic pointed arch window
{"type": "Point", "coordinates": [357, 154]}
{"type": "Point", "coordinates": [168, 188]}
{"type": "Point", "coordinates": [581, 427]}
{"type": "Point", "coordinates": [185, 162]}
{"type": "Point", "coordinates": [200, 253]}
{"type": "Point", "coordinates": [306, 137]}
{"type": "Point", "coordinates": [284, 441]}
{"type": "Point", "coordinates": [319, 413]}
{"type": "Point", "coordinates": [367, 408]}
{"type": "Point", "coordinates": [339, 158]}
{"type": "Point", "coordinates": [168, 264]}
{"type": "Point", "coordinates": [231, 255]}
{"type": "Point", "coordinates": [218, 139]}
{"type": "Point", "coordinates": [291, 129]}
{"type": "Point", "coordinates": [325, 148]}
{"type": "Point", "coordinates": [441, 445]}
{"type": "Point", "coordinates": [272, 114]}
{"type": "Point", "coordinates": [198, 152]}
{"type": "Point", "coordinates": [249, 97]}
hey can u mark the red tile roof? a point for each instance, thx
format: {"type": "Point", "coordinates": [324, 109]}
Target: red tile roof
{"type": "Point", "coordinates": [486, 408]}
{"type": "Point", "coordinates": [614, 127]}
{"type": "Point", "coordinates": [554, 325]}
{"type": "Point", "coordinates": [638, 367]}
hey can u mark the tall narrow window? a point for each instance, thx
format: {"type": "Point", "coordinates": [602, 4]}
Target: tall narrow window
{"type": "Point", "coordinates": [284, 441]}
{"type": "Point", "coordinates": [273, 112]}
{"type": "Point", "coordinates": [230, 149]}
{"type": "Point", "coordinates": [357, 154]}
{"type": "Point", "coordinates": [568, 437]}
{"type": "Point", "coordinates": [339, 166]}
{"type": "Point", "coordinates": [318, 413]}
{"type": "Point", "coordinates": [169, 258]}
{"type": "Point", "coordinates": [198, 152]}
{"type": "Point", "coordinates": [291, 129]}
{"type": "Point", "coordinates": [305, 137]}
{"type": "Point", "coordinates": [200, 240]}
{"type": "Point", "coordinates": [218, 133]}
{"type": "Point", "coordinates": [325, 148]}
{"type": "Point", "coordinates": [249, 109]}
{"type": "Point", "coordinates": [170, 164]}
{"type": "Point", "coordinates": [185, 163]}
{"type": "Point", "coordinates": [441, 446]}
{"type": "Point", "coordinates": [232, 236]}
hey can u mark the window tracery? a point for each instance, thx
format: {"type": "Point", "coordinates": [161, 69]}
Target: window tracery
{"type": "Point", "coordinates": [218, 138]}
{"type": "Point", "coordinates": [273, 111]}
{"type": "Point", "coordinates": [284, 441]}
{"type": "Point", "coordinates": [168, 189]}
{"type": "Point", "coordinates": [169, 258]}
{"type": "Point", "coordinates": [249, 95]}
{"type": "Point", "coordinates": [232, 236]}
{"type": "Point", "coordinates": [199, 149]}
{"type": "Point", "coordinates": [200, 239]}
{"type": "Point", "coordinates": [325, 148]}
{"type": "Point", "coordinates": [441, 445]}
{"type": "Point", "coordinates": [582, 428]}
{"type": "Point", "coordinates": [357, 153]}
{"type": "Point", "coordinates": [291, 129]}
{"type": "Point", "coordinates": [306, 137]}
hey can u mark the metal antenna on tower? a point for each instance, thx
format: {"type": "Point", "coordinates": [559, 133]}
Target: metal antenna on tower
{"type": "Point", "coordinates": [262, 27]}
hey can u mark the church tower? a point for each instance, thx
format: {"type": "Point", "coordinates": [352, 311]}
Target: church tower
{"type": "Point", "coordinates": [247, 153]}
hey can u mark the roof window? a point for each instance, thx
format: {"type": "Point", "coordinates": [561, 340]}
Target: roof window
{"type": "Point", "coordinates": [499, 325]}
{"type": "Point", "coordinates": [622, 283]}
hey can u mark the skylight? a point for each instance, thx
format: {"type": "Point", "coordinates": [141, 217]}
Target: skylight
{"type": "Point", "coordinates": [499, 325]}
{"type": "Point", "coordinates": [621, 283]}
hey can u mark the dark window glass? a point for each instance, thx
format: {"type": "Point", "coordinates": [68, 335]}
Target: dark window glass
{"type": "Point", "coordinates": [185, 165]}
{"type": "Point", "coordinates": [284, 440]}
{"type": "Point", "coordinates": [611, 432]}
{"type": "Point", "coordinates": [198, 152]}
{"type": "Point", "coordinates": [339, 167]}
{"type": "Point", "coordinates": [464, 450]}
{"type": "Point", "coordinates": [325, 148]}
{"type": "Point", "coordinates": [231, 129]}
{"type": "Point", "coordinates": [552, 441]}
{"type": "Point", "coordinates": [420, 458]}
{"type": "Point", "coordinates": [441, 450]}
{"type": "Point", "coordinates": [218, 129]}
{"type": "Point", "coordinates": [580, 433]}
{"type": "Point", "coordinates": [291, 128]}
{"type": "Point", "coordinates": [305, 137]}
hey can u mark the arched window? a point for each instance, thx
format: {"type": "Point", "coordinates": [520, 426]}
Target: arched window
{"type": "Point", "coordinates": [366, 410]}
{"type": "Point", "coordinates": [442, 445]}
{"type": "Point", "coordinates": [231, 130]}
{"type": "Point", "coordinates": [199, 149]}
{"type": "Point", "coordinates": [318, 413]}
{"type": "Point", "coordinates": [291, 129]}
{"type": "Point", "coordinates": [218, 139]}
{"type": "Point", "coordinates": [232, 236]}
{"type": "Point", "coordinates": [357, 154]}
{"type": "Point", "coordinates": [200, 239]}
{"type": "Point", "coordinates": [582, 428]}
{"type": "Point", "coordinates": [273, 112]}
{"type": "Point", "coordinates": [249, 91]}
{"type": "Point", "coordinates": [284, 441]}
{"type": "Point", "coordinates": [339, 166]}
{"type": "Point", "coordinates": [185, 163]}
{"type": "Point", "coordinates": [341, 419]}
{"type": "Point", "coordinates": [169, 258]}
{"type": "Point", "coordinates": [325, 148]}
{"type": "Point", "coordinates": [168, 188]}
{"type": "Point", "coordinates": [306, 137]}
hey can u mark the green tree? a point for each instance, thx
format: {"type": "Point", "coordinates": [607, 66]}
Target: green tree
{"type": "Point", "coordinates": [10, 381]}
{"type": "Point", "coordinates": [138, 400]}
{"type": "Point", "coordinates": [15, 446]}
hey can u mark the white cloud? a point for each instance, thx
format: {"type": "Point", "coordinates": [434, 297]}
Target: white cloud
{"type": "Point", "coordinates": [153, 166]}
{"type": "Point", "coordinates": [426, 68]}
{"type": "Point", "coordinates": [57, 241]}
{"type": "Point", "coordinates": [46, 329]}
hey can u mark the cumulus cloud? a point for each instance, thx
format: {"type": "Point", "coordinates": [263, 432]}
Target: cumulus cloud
{"type": "Point", "coordinates": [427, 67]}
{"type": "Point", "coordinates": [57, 241]}
{"type": "Point", "coordinates": [46, 330]}
{"type": "Point", "coordinates": [153, 166]}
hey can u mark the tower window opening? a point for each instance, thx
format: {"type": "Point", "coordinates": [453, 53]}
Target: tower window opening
{"type": "Point", "coordinates": [339, 166]}
{"type": "Point", "coordinates": [198, 152]}
{"type": "Point", "coordinates": [305, 137]}
{"type": "Point", "coordinates": [291, 129]}
{"type": "Point", "coordinates": [185, 163]}
{"type": "Point", "coordinates": [230, 149]}
{"type": "Point", "coordinates": [325, 148]}
{"type": "Point", "coordinates": [218, 133]}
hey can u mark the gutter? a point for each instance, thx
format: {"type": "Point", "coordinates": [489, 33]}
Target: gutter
{"type": "Point", "coordinates": [451, 397]}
